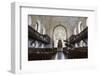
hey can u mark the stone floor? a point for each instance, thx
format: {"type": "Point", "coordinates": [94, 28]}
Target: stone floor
{"type": "Point", "coordinates": [60, 56]}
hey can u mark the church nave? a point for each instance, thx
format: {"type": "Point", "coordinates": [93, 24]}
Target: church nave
{"type": "Point", "coordinates": [57, 37]}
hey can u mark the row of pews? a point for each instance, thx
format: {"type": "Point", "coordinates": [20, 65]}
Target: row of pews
{"type": "Point", "coordinates": [77, 52]}
{"type": "Point", "coordinates": [80, 52]}
{"type": "Point", "coordinates": [41, 53]}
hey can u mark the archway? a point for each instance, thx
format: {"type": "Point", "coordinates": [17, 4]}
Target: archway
{"type": "Point", "coordinates": [80, 26]}
{"type": "Point", "coordinates": [59, 33]}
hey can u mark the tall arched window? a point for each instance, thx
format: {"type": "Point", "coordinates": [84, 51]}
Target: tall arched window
{"type": "Point", "coordinates": [38, 26]}
{"type": "Point", "coordinates": [80, 27]}
{"type": "Point", "coordinates": [59, 34]}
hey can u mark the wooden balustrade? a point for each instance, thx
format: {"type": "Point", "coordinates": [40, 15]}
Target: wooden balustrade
{"type": "Point", "coordinates": [33, 34]}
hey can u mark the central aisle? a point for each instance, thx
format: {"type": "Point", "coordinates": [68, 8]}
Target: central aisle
{"type": "Point", "coordinates": [60, 56]}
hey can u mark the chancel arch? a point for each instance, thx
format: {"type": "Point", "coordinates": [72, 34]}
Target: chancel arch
{"type": "Point", "coordinates": [59, 33]}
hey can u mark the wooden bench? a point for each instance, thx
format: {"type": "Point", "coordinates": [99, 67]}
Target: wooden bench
{"type": "Point", "coordinates": [81, 52]}
{"type": "Point", "coordinates": [41, 53]}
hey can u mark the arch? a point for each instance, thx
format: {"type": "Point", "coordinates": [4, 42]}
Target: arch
{"type": "Point", "coordinates": [38, 26]}
{"type": "Point", "coordinates": [59, 33]}
{"type": "Point", "coordinates": [61, 26]}
{"type": "Point", "coordinates": [80, 26]}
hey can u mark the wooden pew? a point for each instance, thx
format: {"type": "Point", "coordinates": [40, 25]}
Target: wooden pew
{"type": "Point", "coordinates": [41, 53]}
{"type": "Point", "coordinates": [81, 52]}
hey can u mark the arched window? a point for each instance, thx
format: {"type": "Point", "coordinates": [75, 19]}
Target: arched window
{"type": "Point", "coordinates": [80, 27]}
{"type": "Point", "coordinates": [38, 26]}
{"type": "Point", "coordinates": [59, 34]}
